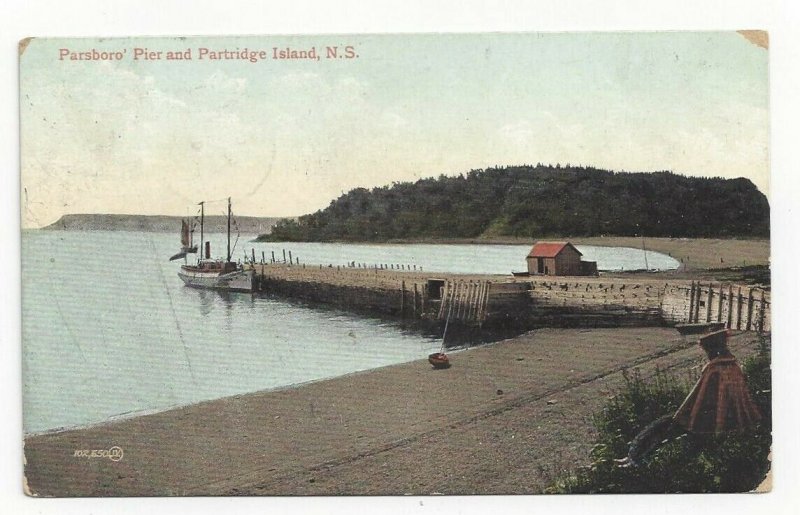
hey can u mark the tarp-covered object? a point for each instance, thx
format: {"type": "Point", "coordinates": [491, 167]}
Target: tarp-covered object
{"type": "Point", "coordinates": [720, 401]}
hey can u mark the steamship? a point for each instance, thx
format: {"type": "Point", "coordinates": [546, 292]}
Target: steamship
{"type": "Point", "coordinates": [208, 273]}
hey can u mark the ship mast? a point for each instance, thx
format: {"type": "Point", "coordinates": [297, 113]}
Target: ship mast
{"type": "Point", "coordinates": [228, 260]}
{"type": "Point", "coordinates": [202, 241]}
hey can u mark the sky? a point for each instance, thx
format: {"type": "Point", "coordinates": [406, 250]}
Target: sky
{"type": "Point", "coordinates": [284, 137]}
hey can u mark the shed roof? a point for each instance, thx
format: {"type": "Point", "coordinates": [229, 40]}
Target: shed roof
{"type": "Point", "coordinates": [550, 249]}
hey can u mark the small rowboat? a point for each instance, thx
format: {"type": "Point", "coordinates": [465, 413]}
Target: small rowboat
{"type": "Point", "coordinates": [439, 360]}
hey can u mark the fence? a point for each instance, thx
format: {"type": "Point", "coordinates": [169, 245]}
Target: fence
{"type": "Point", "coordinates": [738, 307]}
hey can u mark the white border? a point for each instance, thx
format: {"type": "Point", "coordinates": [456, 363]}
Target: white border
{"type": "Point", "coordinates": [20, 18]}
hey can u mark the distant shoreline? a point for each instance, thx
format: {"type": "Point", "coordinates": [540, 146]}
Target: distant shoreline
{"type": "Point", "coordinates": [692, 253]}
{"type": "Point", "coordinates": [157, 223]}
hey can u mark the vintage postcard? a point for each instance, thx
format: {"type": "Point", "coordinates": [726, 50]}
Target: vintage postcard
{"type": "Point", "coordinates": [392, 264]}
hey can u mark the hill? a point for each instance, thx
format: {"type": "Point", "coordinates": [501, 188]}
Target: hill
{"type": "Point", "coordinates": [536, 202]}
{"type": "Point", "coordinates": [156, 223]}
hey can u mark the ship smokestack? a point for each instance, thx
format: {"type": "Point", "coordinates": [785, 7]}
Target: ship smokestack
{"type": "Point", "coordinates": [208, 250]}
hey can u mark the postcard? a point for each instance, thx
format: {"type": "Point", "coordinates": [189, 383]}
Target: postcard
{"type": "Point", "coordinates": [396, 264]}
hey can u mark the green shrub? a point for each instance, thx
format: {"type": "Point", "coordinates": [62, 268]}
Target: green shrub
{"type": "Point", "coordinates": [685, 462]}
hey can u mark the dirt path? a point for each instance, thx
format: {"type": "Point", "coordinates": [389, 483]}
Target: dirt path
{"type": "Point", "coordinates": [483, 426]}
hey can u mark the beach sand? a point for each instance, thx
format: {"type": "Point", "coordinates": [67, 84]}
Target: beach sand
{"type": "Point", "coordinates": [504, 419]}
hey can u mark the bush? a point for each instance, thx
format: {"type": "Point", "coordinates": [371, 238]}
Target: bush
{"type": "Point", "coordinates": [685, 462]}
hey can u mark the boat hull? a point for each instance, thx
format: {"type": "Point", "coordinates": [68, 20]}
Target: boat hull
{"type": "Point", "coordinates": [238, 280]}
{"type": "Point", "coordinates": [439, 360]}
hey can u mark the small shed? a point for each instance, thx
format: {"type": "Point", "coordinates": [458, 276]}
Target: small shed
{"type": "Point", "coordinates": [554, 258]}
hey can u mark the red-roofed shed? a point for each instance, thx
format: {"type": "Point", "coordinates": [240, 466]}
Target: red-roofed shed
{"type": "Point", "coordinates": [554, 258]}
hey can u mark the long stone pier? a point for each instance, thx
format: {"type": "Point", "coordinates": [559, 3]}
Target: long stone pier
{"type": "Point", "coordinates": [522, 302]}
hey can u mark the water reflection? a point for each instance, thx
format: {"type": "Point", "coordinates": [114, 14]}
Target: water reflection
{"type": "Point", "coordinates": [206, 304]}
{"type": "Point", "coordinates": [208, 299]}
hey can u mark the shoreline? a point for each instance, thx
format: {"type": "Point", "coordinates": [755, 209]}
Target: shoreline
{"type": "Point", "coordinates": [503, 415]}
{"type": "Point", "coordinates": [122, 417]}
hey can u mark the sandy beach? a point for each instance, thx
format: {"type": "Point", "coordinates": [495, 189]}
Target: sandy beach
{"type": "Point", "coordinates": [504, 419]}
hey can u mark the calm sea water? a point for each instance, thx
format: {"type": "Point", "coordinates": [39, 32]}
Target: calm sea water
{"type": "Point", "coordinates": [466, 259]}
{"type": "Point", "coordinates": [109, 329]}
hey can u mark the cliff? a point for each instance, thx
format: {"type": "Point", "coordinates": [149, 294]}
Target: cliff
{"type": "Point", "coordinates": [157, 223]}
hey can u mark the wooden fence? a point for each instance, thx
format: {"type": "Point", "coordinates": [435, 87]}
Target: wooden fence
{"type": "Point", "coordinates": [742, 308]}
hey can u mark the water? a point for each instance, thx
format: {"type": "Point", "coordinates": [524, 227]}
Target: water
{"type": "Point", "coordinates": [464, 259]}
{"type": "Point", "coordinates": [109, 329]}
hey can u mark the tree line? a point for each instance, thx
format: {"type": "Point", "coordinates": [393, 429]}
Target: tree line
{"type": "Point", "coordinates": [537, 202]}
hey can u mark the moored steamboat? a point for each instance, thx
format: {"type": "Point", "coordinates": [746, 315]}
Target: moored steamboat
{"type": "Point", "coordinates": [208, 273]}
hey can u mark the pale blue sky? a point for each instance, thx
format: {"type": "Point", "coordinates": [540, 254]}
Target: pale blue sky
{"type": "Point", "coordinates": [286, 137]}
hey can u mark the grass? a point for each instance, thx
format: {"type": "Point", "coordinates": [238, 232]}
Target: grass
{"type": "Point", "coordinates": [695, 253]}
{"type": "Point", "coordinates": [685, 462]}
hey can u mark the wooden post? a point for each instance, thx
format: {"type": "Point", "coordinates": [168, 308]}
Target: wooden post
{"type": "Point", "coordinates": [467, 300]}
{"type": "Point", "coordinates": [478, 300]}
{"type": "Point", "coordinates": [749, 310]}
{"type": "Point", "coordinates": [730, 306]}
{"type": "Point", "coordinates": [475, 294]}
{"type": "Point", "coordinates": [485, 301]}
{"type": "Point", "coordinates": [719, 305]}
{"type": "Point", "coordinates": [470, 300]}
{"type": "Point", "coordinates": [697, 303]}
{"type": "Point", "coordinates": [454, 296]}
{"type": "Point", "coordinates": [739, 310]}
{"type": "Point", "coordinates": [761, 313]}
{"type": "Point", "coordinates": [402, 299]}
{"type": "Point", "coordinates": [478, 292]}
{"type": "Point", "coordinates": [451, 298]}
{"type": "Point", "coordinates": [691, 304]}
{"type": "Point", "coordinates": [254, 254]}
{"type": "Point", "coordinates": [273, 256]}
{"type": "Point", "coordinates": [262, 257]}
{"type": "Point", "coordinates": [450, 290]}
{"type": "Point", "coordinates": [708, 303]}
{"type": "Point", "coordinates": [443, 296]}
{"type": "Point", "coordinates": [465, 310]}
{"type": "Point", "coordinates": [462, 299]}
{"type": "Point", "coordinates": [414, 307]}
{"type": "Point", "coordinates": [487, 290]}
{"type": "Point", "coordinates": [290, 257]}
{"type": "Point", "coordinates": [284, 256]}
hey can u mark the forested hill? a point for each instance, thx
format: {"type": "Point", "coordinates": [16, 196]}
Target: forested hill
{"type": "Point", "coordinates": [536, 202]}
